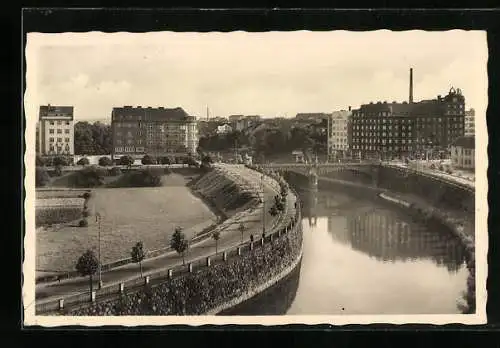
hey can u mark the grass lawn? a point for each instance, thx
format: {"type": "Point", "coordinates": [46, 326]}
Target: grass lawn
{"type": "Point", "coordinates": [128, 215]}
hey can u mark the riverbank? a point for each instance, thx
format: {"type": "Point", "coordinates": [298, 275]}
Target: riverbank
{"type": "Point", "coordinates": [212, 284]}
{"type": "Point", "coordinates": [456, 225]}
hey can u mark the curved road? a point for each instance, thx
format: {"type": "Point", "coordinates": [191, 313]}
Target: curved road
{"type": "Point", "coordinates": [230, 236]}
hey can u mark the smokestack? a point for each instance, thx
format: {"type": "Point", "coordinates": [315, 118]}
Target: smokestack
{"type": "Point", "coordinates": [411, 86]}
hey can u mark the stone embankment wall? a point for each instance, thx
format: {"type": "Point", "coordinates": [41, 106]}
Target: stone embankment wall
{"type": "Point", "coordinates": [224, 193]}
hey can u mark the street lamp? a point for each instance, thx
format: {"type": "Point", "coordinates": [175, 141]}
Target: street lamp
{"type": "Point", "coordinates": [98, 219]}
{"type": "Point", "coordinates": [263, 205]}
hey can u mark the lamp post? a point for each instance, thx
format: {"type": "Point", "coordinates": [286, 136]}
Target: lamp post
{"type": "Point", "coordinates": [263, 205]}
{"type": "Point", "coordinates": [98, 219]}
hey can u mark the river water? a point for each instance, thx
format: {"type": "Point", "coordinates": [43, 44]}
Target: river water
{"type": "Point", "coordinates": [362, 256]}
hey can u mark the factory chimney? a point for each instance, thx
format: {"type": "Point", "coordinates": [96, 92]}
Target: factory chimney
{"type": "Point", "coordinates": [411, 86]}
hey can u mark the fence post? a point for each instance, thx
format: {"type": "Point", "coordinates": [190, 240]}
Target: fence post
{"type": "Point", "coordinates": [93, 296]}
{"type": "Point", "coordinates": [208, 262]}
{"type": "Point", "coordinates": [224, 256]}
{"type": "Point", "coordinates": [146, 280]}
{"type": "Point", "coordinates": [170, 273]}
{"type": "Point", "coordinates": [239, 251]}
{"type": "Point", "coordinates": [190, 268]}
{"type": "Point", "coordinates": [61, 303]}
{"type": "Point", "coordinates": [121, 287]}
{"type": "Point", "coordinates": [262, 241]}
{"type": "Point", "coordinates": [251, 245]}
{"type": "Point", "coordinates": [279, 233]}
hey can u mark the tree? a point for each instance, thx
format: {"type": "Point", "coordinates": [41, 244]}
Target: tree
{"type": "Point", "coordinates": [138, 254]}
{"type": "Point", "coordinates": [126, 161]}
{"type": "Point", "coordinates": [179, 243]}
{"type": "Point", "coordinates": [41, 177]}
{"type": "Point", "coordinates": [93, 139]}
{"type": "Point", "coordinates": [105, 161]}
{"type": "Point", "coordinates": [216, 237]}
{"type": "Point", "coordinates": [83, 161]}
{"type": "Point", "coordinates": [147, 159]}
{"type": "Point", "coordinates": [88, 265]}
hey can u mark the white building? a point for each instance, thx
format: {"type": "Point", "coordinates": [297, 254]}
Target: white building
{"type": "Point", "coordinates": [338, 143]}
{"type": "Point", "coordinates": [224, 129]}
{"type": "Point", "coordinates": [470, 116]}
{"type": "Point", "coordinates": [56, 130]}
{"type": "Point", "coordinates": [463, 152]}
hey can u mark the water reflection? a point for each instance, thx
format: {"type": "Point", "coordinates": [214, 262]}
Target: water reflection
{"type": "Point", "coordinates": [361, 257]}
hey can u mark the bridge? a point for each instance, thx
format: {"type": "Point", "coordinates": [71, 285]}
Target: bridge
{"type": "Point", "coordinates": [374, 170]}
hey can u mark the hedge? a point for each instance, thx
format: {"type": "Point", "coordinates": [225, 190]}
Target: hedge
{"type": "Point", "coordinates": [56, 215]}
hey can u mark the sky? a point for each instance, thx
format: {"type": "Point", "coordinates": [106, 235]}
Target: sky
{"type": "Point", "coordinates": [269, 74]}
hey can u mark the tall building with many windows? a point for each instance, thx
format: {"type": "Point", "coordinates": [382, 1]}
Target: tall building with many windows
{"type": "Point", "coordinates": [154, 131]}
{"type": "Point", "coordinates": [470, 116]}
{"type": "Point", "coordinates": [55, 131]}
{"type": "Point", "coordinates": [337, 134]}
{"type": "Point", "coordinates": [394, 129]}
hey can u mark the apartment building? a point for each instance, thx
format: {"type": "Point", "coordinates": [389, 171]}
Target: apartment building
{"type": "Point", "coordinates": [55, 131]}
{"type": "Point", "coordinates": [463, 153]}
{"type": "Point", "coordinates": [156, 131]}
{"type": "Point", "coordinates": [470, 116]}
{"type": "Point", "coordinates": [338, 142]}
{"type": "Point", "coordinates": [410, 128]}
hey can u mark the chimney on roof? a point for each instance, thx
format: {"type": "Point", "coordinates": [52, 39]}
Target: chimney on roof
{"type": "Point", "coordinates": [349, 108]}
{"type": "Point", "coordinates": [411, 86]}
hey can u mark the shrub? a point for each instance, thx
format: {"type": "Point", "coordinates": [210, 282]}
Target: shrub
{"type": "Point", "coordinates": [86, 195]}
{"type": "Point", "coordinates": [449, 171]}
{"type": "Point", "coordinates": [41, 177]}
{"type": "Point", "coordinates": [83, 223]}
{"type": "Point", "coordinates": [84, 161]}
{"type": "Point", "coordinates": [147, 159]}
{"type": "Point", "coordinates": [115, 171]}
{"type": "Point", "coordinates": [51, 215]}
{"type": "Point", "coordinates": [60, 161]}
{"type": "Point", "coordinates": [40, 161]}
{"type": "Point", "coordinates": [88, 177]}
{"type": "Point", "coordinates": [165, 160]}
{"type": "Point", "coordinates": [150, 177]}
{"type": "Point", "coordinates": [126, 161]}
{"type": "Point", "coordinates": [441, 168]}
{"type": "Point", "coordinates": [105, 161]}
{"type": "Point", "coordinates": [432, 166]}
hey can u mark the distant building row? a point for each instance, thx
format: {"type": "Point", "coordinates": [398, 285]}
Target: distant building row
{"type": "Point", "coordinates": [135, 131]}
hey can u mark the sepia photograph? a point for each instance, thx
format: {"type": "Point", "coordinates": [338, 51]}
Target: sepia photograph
{"type": "Point", "coordinates": [333, 177]}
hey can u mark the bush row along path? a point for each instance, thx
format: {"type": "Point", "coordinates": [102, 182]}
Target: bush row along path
{"type": "Point", "coordinates": [230, 237]}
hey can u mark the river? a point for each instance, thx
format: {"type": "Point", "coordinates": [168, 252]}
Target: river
{"type": "Point", "coordinates": [362, 256]}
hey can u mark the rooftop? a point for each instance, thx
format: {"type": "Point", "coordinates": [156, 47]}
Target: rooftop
{"type": "Point", "coordinates": [150, 113]}
{"type": "Point", "coordinates": [50, 110]}
{"type": "Point", "coordinates": [467, 142]}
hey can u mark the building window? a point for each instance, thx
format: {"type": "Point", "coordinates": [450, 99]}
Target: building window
{"type": "Point", "coordinates": [59, 140]}
{"type": "Point", "coordinates": [58, 123]}
{"type": "Point", "coordinates": [59, 131]}
{"type": "Point", "coordinates": [67, 123]}
{"type": "Point", "coordinates": [66, 140]}
{"type": "Point", "coordinates": [66, 131]}
{"type": "Point", "coordinates": [51, 131]}
{"type": "Point", "coordinates": [51, 140]}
